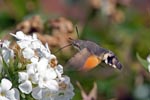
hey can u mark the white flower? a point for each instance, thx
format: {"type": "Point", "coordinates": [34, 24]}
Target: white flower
{"type": "Point", "coordinates": [5, 44]}
{"type": "Point", "coordinates": [21, 36]}
{"type": "Point", "coordinates": [44, 51]}
{"type": "Point", "coordinates": [66, 89]}
{"type": "Point", "coordinates": [148, 59]}
{"type": "Point", "coordinates": [24, 40]}
{"type": "Point", "coordinates": [6, 93]}
{"type": "Point", "coordinates": [46, 79]}
{"type": "Point", "coordinates": [66, 94]}
{"type": "Point", "coordinates": [36, 44]}
{"type": "Point", "coordinates": [1, 64]}
{"type": "Point", "coordinates": [28, 53]}
{"type": "Point", "coordinates": [34, 59]}
{"type": "Point", "coordinates": [37, 93]}
{"type": "Point", "coordinates": [59, 70]}
{"type": "Point", "coordinates": [42, 65]}
{"type": "Point", "coordinates": [33, 73]}
{"type": "Point", "coordinates": [6, 52]}
{"type": "Point", "coordinates": [42, 94]}
{"type": "Point", "coordinates": [23, 44]}
{"type": "Point", "coordinates": [26, 85]}
{"type": "Point", "coordinates": [23, 76]}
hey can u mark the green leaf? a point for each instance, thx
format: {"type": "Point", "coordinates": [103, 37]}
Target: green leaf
{"type": "Point", "coordinates": [142, 61]}
{"type": "Point", "coordinates": [6, 69]}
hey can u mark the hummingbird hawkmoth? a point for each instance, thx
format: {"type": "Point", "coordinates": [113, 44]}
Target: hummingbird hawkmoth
{"type": "Point", "coordinates": [90, 55]}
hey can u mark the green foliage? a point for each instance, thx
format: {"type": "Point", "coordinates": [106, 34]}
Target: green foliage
{"type": "Point", "coordinates": [5, 20]}
{"type": "Point", "coordinates": [10, 71]}
{"type": "Point", "coordinates": [142, 61]}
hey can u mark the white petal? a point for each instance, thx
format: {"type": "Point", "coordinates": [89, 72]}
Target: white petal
{"type": "Point", "coordinates": [5, 44]}
{"type": "Point", "coordinates": [19, 35]}
{"type": "Point", "coordinates": [34, 36]}
{"type": "Point", "coordinates": [3, 98]}
{"type": "Point", "coordinates": [50, 73]}
{"type": "Point", "coordinates": [1, 65]}
{"type": "Point", "coordinates": [148, 58]}
{"type": "Point", "coordinates": [60, 68]}
{"type": "Point", "coordinates": [28, 53]}
{"type": "Point", "coordinates": [46, 54]}
{"type": "Point", "coordinates": [23, 44]}
{"type": "Point", "coordinates": [23, 76]}
{"type": "Point", "coordinates": [67, 94]}
{"type": "Point", "coordinates": [65, 79]}
{"type": "Point", "coordinates": [30, 70]}
{"type": "Point", "coordinates": [34, 59]}
{"type": "Point", "coordinates": [149, 67]}
{"type": "Point", "coordinates": [5, 84]}
{"type": "Point", "coordinates": [41, 82]}
{"type": "Point", "coordinates": [1, 89]}
{"type": "Point", "coordinates": [47, 94]}
{"type": "Point", "coordinates": [25, 87]}
{"type": "Point", "coordinates": [46, 45]}
{"type": "Point", "coordinates": [7, 54]}
{"type": "Point", "coordinates": [34, 78]}
{"type": "Point", "coordinates": [52, 85]}
{"type": "Point", "coordinates": [42, 65]}
{"type": "Point", "coordinates": [17, 95]}
{"type": "Point", "coordinates": [13, 94]}
{"type": "Point", "coordinates": [28, 38]}
{"type": "Point", "coordinates": [41, 51]}
{"type": "Point", "coordinates": [37, 93]}
{"type": "Point", "coordinates": [36, 44]}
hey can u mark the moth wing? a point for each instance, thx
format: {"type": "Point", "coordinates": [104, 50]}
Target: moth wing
{"type": "Point", "coordinates": [78, 60]}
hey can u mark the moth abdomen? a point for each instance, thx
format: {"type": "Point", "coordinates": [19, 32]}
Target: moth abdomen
{"type": "Point", "coordinates": [110, 59]}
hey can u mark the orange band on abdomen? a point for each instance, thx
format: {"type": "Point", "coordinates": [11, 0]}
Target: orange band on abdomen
{"type": "Point", "coordinates": [91, 62]}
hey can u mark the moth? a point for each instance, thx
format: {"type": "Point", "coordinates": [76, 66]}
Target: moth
{"type": "Point", "coordinates": [91, 55]}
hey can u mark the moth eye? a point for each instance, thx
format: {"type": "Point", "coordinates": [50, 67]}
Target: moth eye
{"type": "Point", "coordinates": [77, 45]}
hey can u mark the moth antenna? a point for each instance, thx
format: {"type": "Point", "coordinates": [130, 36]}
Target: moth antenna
{"type": "Point", "coordinates": [62, 48]}
{"type": "Point", "coordinates": [77, 31]}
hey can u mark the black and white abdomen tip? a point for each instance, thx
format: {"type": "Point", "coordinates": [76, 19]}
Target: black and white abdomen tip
{"type": "Point", "coordinates": [110, 59]}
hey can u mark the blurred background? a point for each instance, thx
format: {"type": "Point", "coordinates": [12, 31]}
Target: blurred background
{"type": "Point", "coordinates": [122, 26]}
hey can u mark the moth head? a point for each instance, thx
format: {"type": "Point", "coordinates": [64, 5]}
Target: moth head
{"type": "Point", "coordinates": [110, 59]}
{"type": "Point", "coordinates": [76, 43]}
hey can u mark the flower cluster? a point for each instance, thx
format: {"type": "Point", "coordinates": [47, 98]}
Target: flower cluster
{"type": "Point", "coordinates": [39, 74]}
